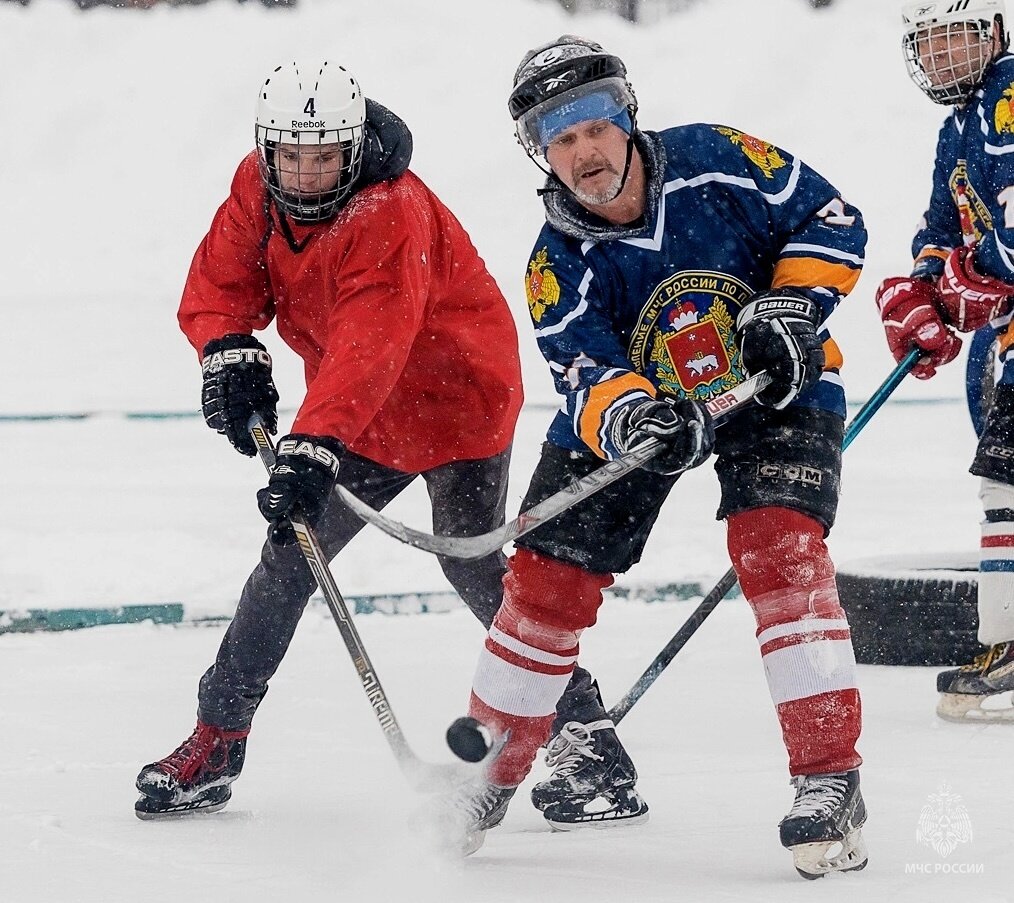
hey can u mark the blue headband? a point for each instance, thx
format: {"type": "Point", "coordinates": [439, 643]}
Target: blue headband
{"type": "Point", "coordinates": [598, 105]}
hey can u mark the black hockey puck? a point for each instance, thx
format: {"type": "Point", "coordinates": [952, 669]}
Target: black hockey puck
{"type": "Point", "coordinates": [468, 739]}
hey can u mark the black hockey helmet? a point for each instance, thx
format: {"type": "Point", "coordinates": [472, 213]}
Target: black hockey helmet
{"type": "Point", "coordinates": [563, 81]}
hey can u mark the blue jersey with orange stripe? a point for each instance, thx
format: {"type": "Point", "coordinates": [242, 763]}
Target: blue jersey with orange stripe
{"type": "Point", "coordinates": [626, 312]}
{"type": "Point", "coordinates": [975, 158]}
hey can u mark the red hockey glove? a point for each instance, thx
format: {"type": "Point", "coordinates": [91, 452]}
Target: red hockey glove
{"type": "Point", "coordinates": [909, 309]}
{"type": "Point", "coordinates": [970, 299]}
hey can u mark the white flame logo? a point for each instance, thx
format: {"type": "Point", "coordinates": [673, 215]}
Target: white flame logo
{"type": "Point", "coordinates": [944, 822]}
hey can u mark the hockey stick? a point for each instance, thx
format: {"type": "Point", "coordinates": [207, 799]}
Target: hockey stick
{"type": "Point", "coordinates": [724, 586]}
{"type": "Point", "coordinates": [721, 407]}
{"type": "Point", "coordinates": [422, 775]}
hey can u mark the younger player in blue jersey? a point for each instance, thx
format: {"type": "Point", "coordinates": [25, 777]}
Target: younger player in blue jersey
{"type": "Point", "coordinates": [962, 280]}
{"type": "Point", "coordinates": [672, 266]}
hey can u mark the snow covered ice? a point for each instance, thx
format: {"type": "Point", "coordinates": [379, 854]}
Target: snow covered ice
{"type": "Point", "coordinates": [133, 125]}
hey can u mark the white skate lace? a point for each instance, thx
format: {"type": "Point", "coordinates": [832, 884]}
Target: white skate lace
{"type": "Point", "coordinates": [817, 795]}
{"type": "Point", "coordinates": [569, 749]}
{"type": "Point", "coordinates": [477, 802]}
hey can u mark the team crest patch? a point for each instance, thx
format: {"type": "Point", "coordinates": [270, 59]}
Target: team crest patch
{"type": "Point", "coordinates": [696, 354]}
{"type": "Point", "coordinates": [542, 289]}
{"type": "Point", "coordinates": [1003, 113]}
{"type": "Point", "coordinates": [685, 341]}
{"type": "Point", "coordinates": [763, 155]}
{"type": "Point", "coordinates": [979, 220]}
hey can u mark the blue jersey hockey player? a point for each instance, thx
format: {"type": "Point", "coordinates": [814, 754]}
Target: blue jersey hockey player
{"type": "Point", "coordinates": [672, 266]}
{"type": "Point", "coordinates": [963, 280]}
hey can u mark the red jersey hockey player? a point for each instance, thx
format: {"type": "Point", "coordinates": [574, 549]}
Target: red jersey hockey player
{"type": "Point", "coordinates": [411, 364]}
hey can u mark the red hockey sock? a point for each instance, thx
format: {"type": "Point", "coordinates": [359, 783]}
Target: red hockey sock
{"type": "Point", "coordinates": [788, 578]}
{"type": "Point", "coordinates": [530, 654]}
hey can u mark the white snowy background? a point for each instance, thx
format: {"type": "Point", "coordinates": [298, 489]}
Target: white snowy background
{"type": "Point", "coordinates": [122, 132]}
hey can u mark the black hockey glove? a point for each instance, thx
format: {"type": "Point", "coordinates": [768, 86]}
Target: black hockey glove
{"type": "Point", "coordinates": [683, 427]}
{"type": "Point", "coordinates": [237, 385]}
{"type": "Point", "coordinates": [778, 334]}
{"type": "Point", "coordinates": [306, 468]}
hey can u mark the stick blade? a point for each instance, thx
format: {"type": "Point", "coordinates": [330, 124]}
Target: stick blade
{"type": "Point", "coordinates": [465, 547]}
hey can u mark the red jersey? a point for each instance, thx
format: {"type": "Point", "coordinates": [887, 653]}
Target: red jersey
{"type": "Point", "coordinates": [409, 348]}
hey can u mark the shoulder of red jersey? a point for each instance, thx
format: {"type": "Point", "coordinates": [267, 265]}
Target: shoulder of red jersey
{"type": "Point", "coordinates": [399, 197]}
{"type": "Point", "coordinates": [247, 186]}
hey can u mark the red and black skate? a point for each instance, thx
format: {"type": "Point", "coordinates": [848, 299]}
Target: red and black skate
{"type": "Point", "coordinates": [195, 777]}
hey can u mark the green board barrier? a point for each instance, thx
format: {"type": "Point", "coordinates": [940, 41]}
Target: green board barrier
{"type": "Point", "coordinates": [50, 619]}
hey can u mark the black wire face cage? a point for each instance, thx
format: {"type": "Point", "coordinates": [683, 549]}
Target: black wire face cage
{"type": "Point", "coordinates": [309, 175]}
{"type": "Point", "coordinates": [948, 60]}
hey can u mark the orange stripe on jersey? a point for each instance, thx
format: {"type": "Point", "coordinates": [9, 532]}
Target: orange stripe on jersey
{"type": "Point", "coordinates": [808, 272]}
{"type": "Point", "coordinates": [1006, 340]}
{"type": "Point", "coordinates": [600, 397]}
{"type": "Point", "coordinates": [832, 355]}
{"type": "Point", "coordinates": [932, 252]}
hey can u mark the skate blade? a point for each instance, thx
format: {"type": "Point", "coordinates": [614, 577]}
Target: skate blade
{"type": "Point", "coordinates": [177, 811]}
{"type": "Point", "coordinates": [472, 842]}
{"type": "Point", "coordinates": [967, 708]}
{"type": "Point", "coordinates": [608, 821]}
{"type": "Point", "coordinates": [603, 811]}
{"type": "Point", "coordinates": [815, 860]}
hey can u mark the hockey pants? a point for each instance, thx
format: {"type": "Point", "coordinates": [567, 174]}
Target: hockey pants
{"type": "Point", "coordinates": [468, 498]}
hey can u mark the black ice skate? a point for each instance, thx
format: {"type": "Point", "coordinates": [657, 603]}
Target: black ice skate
{"type": "Point", "coordinates": [471, 812]}
{"type": "Point", "coordinates": [964, 690]}
{"type": "Point", "coordinates": [193, 778]}
{"type": "Point", "coordinates": [592, 785]}
{"type": "Point", "coordinates": [824, 827]}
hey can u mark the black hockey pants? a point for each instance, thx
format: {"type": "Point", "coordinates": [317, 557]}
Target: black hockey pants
{"type": "Point", "coordinates": [468, 498]}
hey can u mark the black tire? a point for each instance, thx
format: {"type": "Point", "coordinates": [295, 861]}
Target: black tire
{"type": "Point", "coordinates": [912, 609]}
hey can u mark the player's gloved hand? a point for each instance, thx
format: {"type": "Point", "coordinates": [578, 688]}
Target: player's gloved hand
{"type": "Point", "coordinates": [970, 299]}
{"type": "Point", "coordinates": [683, 427]}
{"type": "Point", "coordinates": [778, 334]}
{"type": "Point", "coordinates": [306, 468]}
{"type": "Point", "coordinates": [237, 385]}
{"type": "Point", "coordinates": [910, 309]}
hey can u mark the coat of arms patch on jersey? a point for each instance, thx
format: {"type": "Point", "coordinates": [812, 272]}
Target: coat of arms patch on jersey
{"type": "Point", "coordinates": [542, 289]}
{"type": "Point", "coordinates": [1003, 113]}
{"type": "Point", "coordinates": [980, 220]}
{"type": "Point", "coordinates": [685, 340]}
{"type": "Point", "coordinates": [763, 155]}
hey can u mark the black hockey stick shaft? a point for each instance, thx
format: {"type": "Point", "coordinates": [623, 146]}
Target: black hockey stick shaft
{"type": "Point", "coordinates": [721, 407]}
{"type": "Point", "coordinates": [724, 586]}
{"type": "Point", "coordinates": [422, 775]}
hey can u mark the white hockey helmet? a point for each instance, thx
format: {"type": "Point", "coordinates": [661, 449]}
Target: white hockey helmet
{"type": "Point", "coordinates": [949, 69]}
{"type": "Point", "coordinates": [302, 106]}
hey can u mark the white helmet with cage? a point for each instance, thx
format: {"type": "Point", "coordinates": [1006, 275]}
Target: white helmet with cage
{"type": "Point", "coordinates": [310, 132]}
{"type": "Point", "coordinates": [949, 44]}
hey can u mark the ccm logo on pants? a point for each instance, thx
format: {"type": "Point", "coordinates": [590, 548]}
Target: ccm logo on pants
{"type": "Point", "coordinates": [796, 473]}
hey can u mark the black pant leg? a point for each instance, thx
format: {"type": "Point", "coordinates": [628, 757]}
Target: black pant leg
{"type": "Point", "coordinates": [469, 498]}
{"type": "Point", "coordinates": [274, 597]}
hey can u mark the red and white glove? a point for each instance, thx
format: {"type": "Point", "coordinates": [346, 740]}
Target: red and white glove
{"type": "Point", "coordinates": [970, 299]}
{"type": "Point", "coordinates": [910, 311]}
